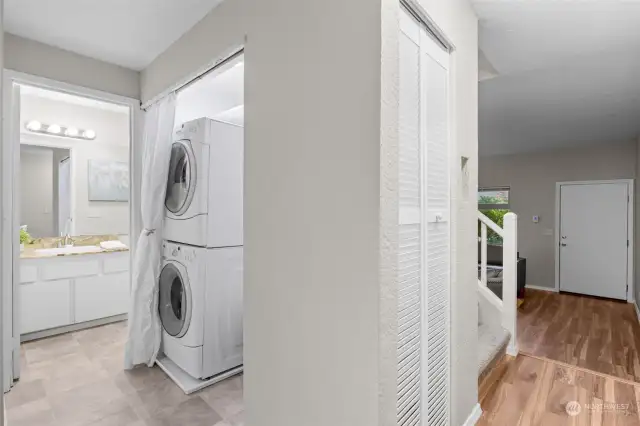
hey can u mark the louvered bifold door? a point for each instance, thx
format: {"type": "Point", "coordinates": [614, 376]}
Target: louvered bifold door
{"type": "Point", "coordinates": [424, 234]}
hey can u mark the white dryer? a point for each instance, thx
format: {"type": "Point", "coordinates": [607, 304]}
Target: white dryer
{"type": "Point", "coordinates": [205, 185]}
{"type": "Point", "coordinates": [200, 307]}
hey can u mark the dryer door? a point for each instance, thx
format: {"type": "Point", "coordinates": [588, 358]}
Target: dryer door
{"type": "Point", "coordinates": [181, 182]}
{"type": "Point", "coordinates": [175, 299]}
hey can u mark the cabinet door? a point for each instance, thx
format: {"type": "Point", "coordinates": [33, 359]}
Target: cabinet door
{"type": "Point", "coordinates": [101, 296]}
{"type": "Point", "coordinates": [44, 305]}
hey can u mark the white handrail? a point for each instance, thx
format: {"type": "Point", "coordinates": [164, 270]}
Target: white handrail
{"type": "Point", "coordinates": [494, 227]}
{"type": "Point", "coordinates": [508, 304]}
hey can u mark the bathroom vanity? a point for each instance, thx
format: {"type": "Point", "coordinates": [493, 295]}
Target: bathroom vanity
{"type": "Point", "coordinates": [70, 288]}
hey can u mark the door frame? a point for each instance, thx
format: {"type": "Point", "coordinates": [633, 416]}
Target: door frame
{"type": "Point", "coordinates": [630, 232]}
{"type": "Point", "coordinates": [9, 230]}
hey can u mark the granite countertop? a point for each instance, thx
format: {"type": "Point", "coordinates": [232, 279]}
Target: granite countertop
{"type": "Point", "coordinates": [30, 250]}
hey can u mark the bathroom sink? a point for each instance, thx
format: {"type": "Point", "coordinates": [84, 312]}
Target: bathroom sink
{"type": "Point", "coordinates": [69, 250]}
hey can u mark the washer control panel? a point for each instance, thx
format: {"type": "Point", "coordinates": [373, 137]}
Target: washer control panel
{"type": "Point", "coordinates": [179, 252]}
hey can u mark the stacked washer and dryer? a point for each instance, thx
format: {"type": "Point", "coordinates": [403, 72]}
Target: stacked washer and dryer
{"type": "Point", "coordinates": [200, 302]}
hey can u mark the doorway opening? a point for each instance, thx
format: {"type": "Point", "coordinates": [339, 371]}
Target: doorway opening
{"type": "Point", "coordinates": [68, 168]}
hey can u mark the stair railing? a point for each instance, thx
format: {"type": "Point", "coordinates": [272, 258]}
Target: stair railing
{"type": "Point", "coordinates": [507, 306]}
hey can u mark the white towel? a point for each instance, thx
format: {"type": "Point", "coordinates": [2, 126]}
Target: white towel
{"type": "Point", "coordinates": [110, 245]}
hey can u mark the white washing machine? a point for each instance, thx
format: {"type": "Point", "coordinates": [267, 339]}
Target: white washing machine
{"type": "Point", "coordinates": [200, 307]}
{"type": "Point", "coordinates": [205, 185]}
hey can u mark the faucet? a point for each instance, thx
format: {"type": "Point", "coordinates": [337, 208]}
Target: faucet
{"type": "Point", "coordinates": [67, 240]}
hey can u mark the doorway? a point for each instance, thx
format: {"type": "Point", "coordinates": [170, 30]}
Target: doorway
{"type": "Point", "coordinates": [77, 133]}
{"type": "Point", "coordinates": [595, 238]}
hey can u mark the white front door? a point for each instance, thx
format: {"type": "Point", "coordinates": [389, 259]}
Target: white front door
{"type": "Point", "coordinates": [594, 239]}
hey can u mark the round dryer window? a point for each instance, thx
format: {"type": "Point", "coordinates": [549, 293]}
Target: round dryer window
{"type": "Point", "coordinates": [175, 300]}
{"type": "Point", "coordinates": [181, 182]}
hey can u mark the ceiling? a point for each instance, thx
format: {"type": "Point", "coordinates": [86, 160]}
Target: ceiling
{"type": "Point", "coordinates": [130, 33]}
{"type": "Point", "coordinates": [72, 99]}
{"type": "Point", "coordinates": [561, 74]}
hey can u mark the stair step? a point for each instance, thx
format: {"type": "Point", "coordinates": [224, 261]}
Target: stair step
{"type": "Point", "coordinates": [492, 345]}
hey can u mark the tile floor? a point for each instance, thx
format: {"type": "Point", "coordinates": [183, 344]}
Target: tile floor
{"type": "Point", "coordinates": [77, 379]}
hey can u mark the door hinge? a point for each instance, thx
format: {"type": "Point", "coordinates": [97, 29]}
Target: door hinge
{"type": "Point", "coordinates": [627, 243]}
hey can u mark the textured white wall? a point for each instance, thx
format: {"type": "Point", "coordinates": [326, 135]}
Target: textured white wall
{"type": "Point", "coordinates": [111, 143]}
{"type": "Point", "coordinates": [40, 59]}
{"type": "Point", "coordinates": [532, 178]}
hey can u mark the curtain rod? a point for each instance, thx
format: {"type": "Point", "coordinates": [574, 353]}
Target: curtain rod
{"type": "Point", "coordinates": [199, 76]}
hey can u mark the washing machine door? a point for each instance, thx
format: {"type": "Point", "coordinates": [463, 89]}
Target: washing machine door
{"type": "Point", "coordinates": [175, 299]}
{"type": "Point", "coordinates": [181, 181]}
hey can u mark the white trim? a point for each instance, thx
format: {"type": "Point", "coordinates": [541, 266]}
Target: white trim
{"type": "Point", "coordinates": [10, 161]}
{"type": "Point", "coordinates": [475, 415]}
{"type": "Point", "coordinates": [513, 349]}
{"type": "Point", "coordinates": [630, 231]}
{"type": "Point", "coordinates": [538, 287]}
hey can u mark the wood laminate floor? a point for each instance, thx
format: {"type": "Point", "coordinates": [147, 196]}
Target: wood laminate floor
{"type": "Point", "coordinates": [527, 391]}
{"type": "Point", "coordinates": [596, 334]}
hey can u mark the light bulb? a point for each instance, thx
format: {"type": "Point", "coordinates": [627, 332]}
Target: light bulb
{"type": "Point", "coordinates": [34, 125]}
{"type": "Point", "coordinates": [71, 131]}
{"type": "Point", "coordinates": [54, 129]}
{"type": "Point", "coordinates": [89, 134]}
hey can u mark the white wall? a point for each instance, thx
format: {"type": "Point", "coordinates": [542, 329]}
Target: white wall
{"type": "Point", "coordinates": [312, 200]}
{"type": "Point", "coordinates": [40, 59]}
{"type": "Point", "coordinates": [320, 249]}
{"type": "Point", "coordinates": [36, 191]}
{"type": "Point", "coordinates": [111, 143]}
{"type": "Point", "coordinates": [532, 178]}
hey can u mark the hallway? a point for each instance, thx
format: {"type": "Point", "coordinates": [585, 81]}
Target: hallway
{"type": "Point", "coordinates": [591, 333]}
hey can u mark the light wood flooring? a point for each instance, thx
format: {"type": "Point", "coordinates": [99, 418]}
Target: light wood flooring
{"type": "Point", "coordinates": [527, 391]}
{"type": "Point", "coordinates": [595, 334]}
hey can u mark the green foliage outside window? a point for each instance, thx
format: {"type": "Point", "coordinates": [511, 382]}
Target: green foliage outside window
{"type": "Point", "coordinates": [496, 215]}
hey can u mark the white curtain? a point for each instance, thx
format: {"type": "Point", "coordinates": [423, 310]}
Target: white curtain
{"type": "Point", "coordinates": [143, 341]}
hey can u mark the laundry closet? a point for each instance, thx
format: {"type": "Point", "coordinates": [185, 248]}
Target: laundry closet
{"type": "Point", "coordinates": [201, 279]}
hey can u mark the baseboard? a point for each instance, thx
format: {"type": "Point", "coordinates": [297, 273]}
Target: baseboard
{"type": "Point", "coordinates": [637, 310]}
{"type": "Point", "coordinates": [535, 287]}
{"type": "Point", "coordinates": [26, 337]}
{"type": "Point", "coordinates": [474, 416]}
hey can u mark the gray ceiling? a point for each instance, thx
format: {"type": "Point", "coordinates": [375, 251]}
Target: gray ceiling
{"type": "Point", "coordinates": [568, 73]}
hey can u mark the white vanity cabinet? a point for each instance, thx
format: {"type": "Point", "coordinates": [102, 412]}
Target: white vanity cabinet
{"type": "Point", "coordinates": [66, 290]}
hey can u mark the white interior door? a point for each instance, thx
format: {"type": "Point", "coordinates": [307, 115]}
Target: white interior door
{"type": "Point", "coordinates": [424, 228]}
{"type": "Point", "coordinates": [64, 197]}
{"type": "Point", "coordinates": [594, 239]}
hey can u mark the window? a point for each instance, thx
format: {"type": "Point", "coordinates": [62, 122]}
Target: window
{"type": "Point", "coordinates": [494, 203]}
{"type": "Point", "coordinates": [493, 198]}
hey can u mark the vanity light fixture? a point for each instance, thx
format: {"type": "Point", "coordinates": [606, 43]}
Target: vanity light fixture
{"type": "Point", "coordinates": [34, 125]}
{"type": "Point", "coordinates": [54, 129]}
{"type": "Point", "coordinates": [60, 131]}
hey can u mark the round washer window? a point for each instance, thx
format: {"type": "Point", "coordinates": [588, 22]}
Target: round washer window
{"type": "Point", "coordinates": [175, 301]}
{"type": "Point", "coordinates": [181, 180]}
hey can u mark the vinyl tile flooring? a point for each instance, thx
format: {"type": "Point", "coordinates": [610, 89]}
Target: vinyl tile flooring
{"type": "Point", "coordinates": [527, 391]}
{"type": "Point", "coordinates": [77, 379]}
{"type": "Point", "coordinates": [597, 334]}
